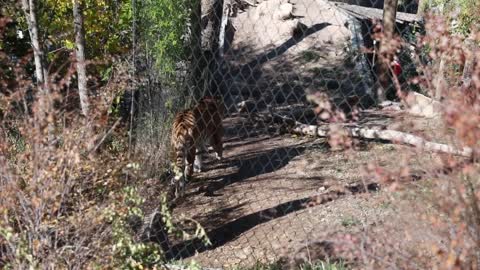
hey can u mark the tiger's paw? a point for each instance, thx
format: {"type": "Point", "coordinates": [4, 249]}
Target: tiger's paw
{"type": "Point", "coordinates": [197, 168]}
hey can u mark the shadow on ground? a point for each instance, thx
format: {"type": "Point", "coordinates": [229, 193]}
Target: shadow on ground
{"type": "Point", "coordinates": [277, 77]}
{"type": "Point", "coordinates": [254, 165]}
{"type": "Point", "coordinates": [250, 167]}
{"type": "Point", "coordinates": [229, 231]}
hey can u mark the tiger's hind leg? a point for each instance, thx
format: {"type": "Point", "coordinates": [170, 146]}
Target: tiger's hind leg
{"type": "Point", "coordinates": [180, 188]}
{"type": "Point", "coordinates": [217, 143]}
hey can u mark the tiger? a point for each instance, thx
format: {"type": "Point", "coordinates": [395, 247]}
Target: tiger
{"type": "Point", "coordinates": [192, 129]}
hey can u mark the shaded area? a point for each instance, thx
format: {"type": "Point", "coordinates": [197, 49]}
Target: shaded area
{"type": "Point", "coordinates": [251, 72]}
{"type": "Point", "coordinates": [231, 230]}
{"type": "Point", "coordinates": [262, 163]}
{"type": "Point", "coordinates": [295, 39]}
{"type": "Point", "coordinates": [281, 81]}
{"type": "Point", "coordinates": [278, 79]}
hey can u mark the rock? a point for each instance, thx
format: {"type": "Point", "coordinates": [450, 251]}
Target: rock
{"type": "Point", "coordinates": [274, 9]}
{"type": "Point", "coordinates": [283, 12]}
{"type": "Point", "coordinates": [265, 8]}
{"type": "Point", "coordinates": [418, 104]}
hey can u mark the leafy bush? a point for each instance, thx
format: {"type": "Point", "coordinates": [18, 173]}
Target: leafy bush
{"type": "Point", "coordinates": [462, 14]}
{"type": "Point", "coordinates": [452, 181]}
{"type": "Point", "coordinates": [164, 29]}
{"type": "Point", "coordinates": [127, 252]}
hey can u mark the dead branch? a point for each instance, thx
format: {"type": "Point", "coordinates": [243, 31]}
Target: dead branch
{"type": "Point", "coordinates": [375, 134]}
{"type": "Point", "coordinates": [247, 2]}
{"type": "Point", "coordinates": [102, 139]}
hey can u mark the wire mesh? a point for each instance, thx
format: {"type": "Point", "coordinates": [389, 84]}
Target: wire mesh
{"type": "Point", "coordinates": [283, 70]}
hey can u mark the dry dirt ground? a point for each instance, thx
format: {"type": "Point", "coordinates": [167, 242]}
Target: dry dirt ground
{"type": "Point", "coordinates": [254, 204]}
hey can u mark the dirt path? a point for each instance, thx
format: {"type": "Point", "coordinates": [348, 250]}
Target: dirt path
{"type": "Point", "coordinates": [253, 203]}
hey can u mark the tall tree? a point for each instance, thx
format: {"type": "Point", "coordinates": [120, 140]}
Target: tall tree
{"type": "Point", "coordinates": [44, 116]}
{"type": "Point", "coordinates": [80, 54]}
{"type": "Point", "coordinates": [389, 18]}
{"type": "Point", "coordinates": [206, 24]}
{"type": "Point", "coordinates": [196, 49]}
{"type": "Point", "coordinates": [420, 7]}
{"type": "Point", "coordinates": [30, 10]}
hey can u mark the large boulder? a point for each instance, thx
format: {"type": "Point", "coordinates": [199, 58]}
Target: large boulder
{"type": "Point", "coordinates": [418, 104]}
{"type": "Point", "coordinates": [283, 12]}
{"type": "Point", "coordinates": [273, 10]}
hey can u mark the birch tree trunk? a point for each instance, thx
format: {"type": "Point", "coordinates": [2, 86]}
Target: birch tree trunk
{"type": "Point", "coordinates": [29, 8]}
{"type": "Point", "coordinates": [80, 54]}
{"type": "Point", "coordinates": [44, 117]}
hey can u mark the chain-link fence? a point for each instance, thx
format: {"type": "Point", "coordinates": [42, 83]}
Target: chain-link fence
{"type": "Point", "coordinates": [299, 80]}
{"type": "Point", "coordinates": [240, 134]}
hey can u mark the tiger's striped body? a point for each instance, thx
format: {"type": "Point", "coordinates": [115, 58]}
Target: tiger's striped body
{"type": "Point", "coordinates": [192, 130]}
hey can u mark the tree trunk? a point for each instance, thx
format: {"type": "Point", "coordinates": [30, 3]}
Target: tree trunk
{"type": "Point", "coordinates": [217, 60]}
{"type": "Point", "coordinates": [206, 24]}
{"type": "Point", "coordinates": [44, 117]}
{"type": "Point", "coordinates": [211, 16]}
{"type": "Point", "coordinates": [440, 83]}
{"type": "Point", "coordinates": [389, 18]}
{"type": "Point", "coordinates": [80, 53]}
{"type": "Point", "coordinates": [420, 8]}
{"type": "Point", "coordinates": [29, 8]}
{"type": "Point", "coordinates": [470, 62]}
{"type": "Point", "coordinates": [196, 59]}
{"type": "Point", "coordinates": [212, 10]}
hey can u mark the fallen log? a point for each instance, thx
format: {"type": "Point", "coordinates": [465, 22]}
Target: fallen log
{"type": "Point", "coordinates": [375, 134]}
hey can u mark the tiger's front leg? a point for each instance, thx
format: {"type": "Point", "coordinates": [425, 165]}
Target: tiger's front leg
{"type": "Point", "coordinates": [178, 182]}
{"type": "Point", "coordinates": [189, 168]}
{"type": "Point", "coordinates": [217, 143]}
{"type": "Point", "coordinates": [180, 188]}
{"type": "Point", "coordinates": [198, 163]}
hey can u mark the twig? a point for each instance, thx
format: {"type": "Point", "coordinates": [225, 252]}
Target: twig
{"type": "Point", "coordinates": [247, 2]}
{"type": "Point", "coordinates": [104, 137]}
{"type": "Point", "coordinates": [179, 267]}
